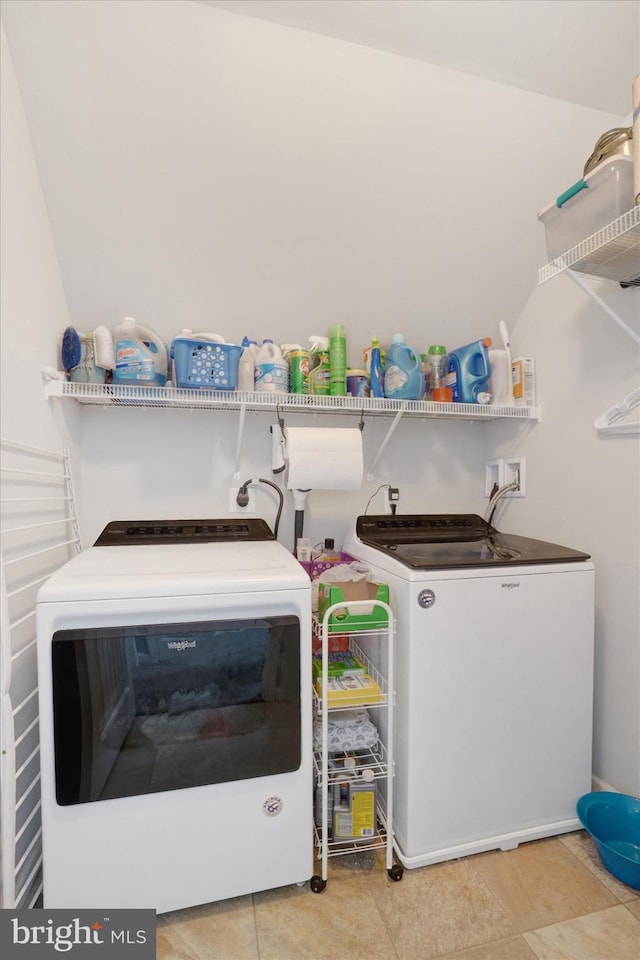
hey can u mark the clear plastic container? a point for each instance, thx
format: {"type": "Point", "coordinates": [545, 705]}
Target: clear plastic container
{"type": "Point", "coordinates": [600, 197]}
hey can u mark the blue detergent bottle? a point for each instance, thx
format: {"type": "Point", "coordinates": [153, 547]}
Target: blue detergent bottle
{"type": "Point", "coordinates": [403, 377]}
{"type": "Point", "coordinates": [469, 372]}
{"type": "Point", "coordinates": [376, 373]}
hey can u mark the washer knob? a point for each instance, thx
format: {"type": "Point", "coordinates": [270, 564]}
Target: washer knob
{"type": "Point", "coordinates": [426, 598]}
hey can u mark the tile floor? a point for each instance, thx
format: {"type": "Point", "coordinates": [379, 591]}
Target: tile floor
{"type": "Point", "coordinates": [547, 900]}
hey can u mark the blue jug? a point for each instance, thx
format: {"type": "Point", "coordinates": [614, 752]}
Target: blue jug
{"type": "Point", "coordinates": [403, 377]}
{"type": "Point", "coordinates": [469, 372]}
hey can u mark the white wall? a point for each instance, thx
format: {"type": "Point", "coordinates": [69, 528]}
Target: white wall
{"type": "Point", "coordinates": [207, 170]}
{"type": "Point", "coordinates": [33, 305]}
{"type": "Point", "coordinates": [33, 310]}
{"type": "Point", "coordinates": [583, 488]}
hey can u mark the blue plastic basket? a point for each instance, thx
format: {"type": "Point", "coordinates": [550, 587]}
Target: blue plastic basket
{"type": "Point", "coordinates": [203, 364]}
{"type": "Point", "coordinates": [613, 820]}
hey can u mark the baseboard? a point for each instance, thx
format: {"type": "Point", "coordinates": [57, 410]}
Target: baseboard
{"type": "Point", "coordinates": [598, 785]}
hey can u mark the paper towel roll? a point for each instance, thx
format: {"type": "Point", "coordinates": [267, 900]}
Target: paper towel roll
{"type": "Point", "coordinates": [635, 144]}
{"type": "Point", "coordinates": [324, 458]}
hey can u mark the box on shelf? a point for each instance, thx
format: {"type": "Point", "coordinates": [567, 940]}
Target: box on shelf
{"type": "Point", "coordinates": [524, 382]}
{"type": "Point", "coordinates": [350, 691]}
{"type": "Point", "coordinates": [357, 618]}
{"type": "Point", "coordinates": [339, 664]}
{"type": "Point", "coordinates": [336, 642]}
{"type": "Point", "coordinates": [600, 197]}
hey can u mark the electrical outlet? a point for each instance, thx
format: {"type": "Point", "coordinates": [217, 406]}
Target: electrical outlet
{"type": "Point", "coordinates": [233, 506]}
{"type": "Point", "coordinates": [494, 474]}
{"type": "Point", "coordinates": [391, 499]}
{"type": "Point", "coordinates": [514, 471]}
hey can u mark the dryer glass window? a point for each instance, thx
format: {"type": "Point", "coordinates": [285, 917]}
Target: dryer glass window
{"type": "Point", "coordinates": [142, 709]}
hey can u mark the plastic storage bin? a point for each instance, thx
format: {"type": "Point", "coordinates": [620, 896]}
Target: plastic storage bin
{"type": "Point", "coordinates": [600, 197]}
{"type": "Point", "coordinates": [205, 364]}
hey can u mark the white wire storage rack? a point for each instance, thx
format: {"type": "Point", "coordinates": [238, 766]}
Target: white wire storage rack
{"type": "Point", "coordinates": [134, 395]}
{"type": "Point", "coordinates": [612, 252]}
{"type": "Point", "coordinates": [374, 647]}
{"type": "Point", "coordinates": [39, 532]}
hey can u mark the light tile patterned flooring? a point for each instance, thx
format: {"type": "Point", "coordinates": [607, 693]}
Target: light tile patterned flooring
{"type": "Point", "coordinates": [547, 900]}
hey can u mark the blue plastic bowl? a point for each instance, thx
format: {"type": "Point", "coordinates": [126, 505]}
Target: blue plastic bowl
{"type": "Point", "coordinates": [613, 820]}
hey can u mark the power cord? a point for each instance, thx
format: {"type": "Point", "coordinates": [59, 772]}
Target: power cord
{"type": "Point", "coordinates": [242, 498]}
{"type": "Point", "coordinates": [381, 487]}
{"type": "Point", "coordinates": [393, 497]}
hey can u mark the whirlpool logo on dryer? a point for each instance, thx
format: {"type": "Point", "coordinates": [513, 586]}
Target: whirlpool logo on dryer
{"type": "Point", "coordinates": [510, 584]}
{"type": "Point", "coordinates": [180, 644]}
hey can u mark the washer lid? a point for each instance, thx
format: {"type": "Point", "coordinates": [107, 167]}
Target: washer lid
{"type": "Point", "coordinates": [175, 570]}
{"type": "Point", "coordinates": [439, 541]}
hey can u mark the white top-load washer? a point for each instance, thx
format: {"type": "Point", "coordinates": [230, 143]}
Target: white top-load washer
{"type": "Point", "coordinates": [175, 717]}
{"type": "Point", "coordinates": [494, 682]}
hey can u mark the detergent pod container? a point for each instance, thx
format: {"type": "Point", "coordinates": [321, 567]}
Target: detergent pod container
{"type": "Point", "coordinates": [403, 376]}
{"type": "Point", "coordinates": [469, 372]}
{"type": "Point", "coordinates": [140, 355]}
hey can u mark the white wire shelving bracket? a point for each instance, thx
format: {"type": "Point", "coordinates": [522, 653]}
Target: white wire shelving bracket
{"type": "Point", "coordinates": [110, 395]}
{"type": "Point", "coordinates": [39, 532]}
{"type": "Point", "coordinates": [612, 253]}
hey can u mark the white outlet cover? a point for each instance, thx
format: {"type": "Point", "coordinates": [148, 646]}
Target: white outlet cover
{"type": "Point", "coordinates": [494, 473]}
{"type": "Point", "coordinates": [512, 466]}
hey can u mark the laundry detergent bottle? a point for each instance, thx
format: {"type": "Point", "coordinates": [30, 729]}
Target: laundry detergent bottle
{"type": "Point", "coordinates": [272, 372]}
{"type": "Point", "coordinates": [469, 372]}
{"type": "Point", "coordinates": [403, 376]}
{"type": "Point", "coordinates": [140, 355]}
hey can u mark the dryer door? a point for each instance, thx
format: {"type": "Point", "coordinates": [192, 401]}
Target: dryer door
{"type": "Point", "coordinates": [148, 708]}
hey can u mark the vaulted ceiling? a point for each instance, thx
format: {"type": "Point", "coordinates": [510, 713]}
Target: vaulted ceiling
{"type": "Point", "coordinates": [583, 51]}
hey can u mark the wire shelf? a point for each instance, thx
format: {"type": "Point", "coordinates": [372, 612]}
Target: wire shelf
{"type": "Point", "coordinates": [107, 395]}
{"type": "Point", "coordinates": [612, 253]}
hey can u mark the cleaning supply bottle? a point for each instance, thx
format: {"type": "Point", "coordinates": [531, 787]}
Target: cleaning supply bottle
{"type": "Point", "coordinates": [469, 372]}
{"type": "Point", "coordinates": [376, 374]}
{"type": "Point", "coordinates": [426, 373]}
{"type": "Point", "coordinates": [366, 353]}
{"type": "Point", "coordinates": [319, 372]}
{"type": "Point", "coordinates": [140, 355]}
{"type": "Point", "coordinates": [337, 361]}
{"type": "Point", "coordinates": [438, 361]}
{"type": "Point", "coordinates": [297, 359]}
{"type": "Point", "coordinates": [329, 552]}
{"type": "Point", "coordinates": [272, 373]}
{"type": "Point", "coordinates": [247, 366]}
{"type": "Point", "coordinates": [354, 805]}
{"type": "Point", "coordinates": [403, 377]}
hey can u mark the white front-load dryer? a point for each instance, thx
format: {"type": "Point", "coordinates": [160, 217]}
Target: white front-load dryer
{"type": "Point", "coordinates": [494, 682]}
{"type": "Point", "coordinates": [175, 717]}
